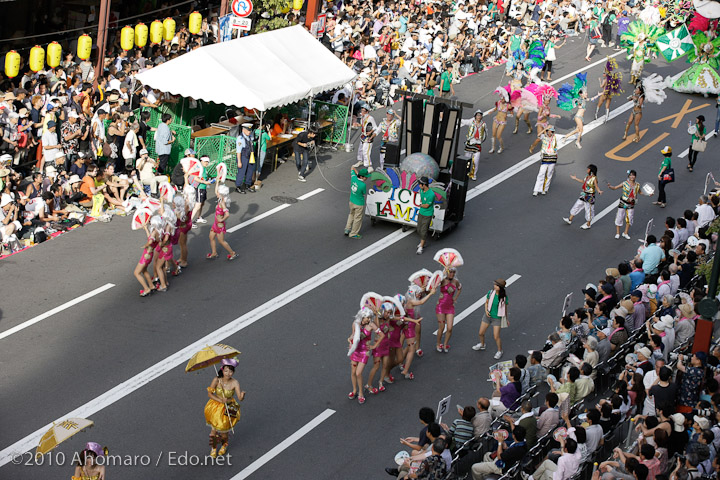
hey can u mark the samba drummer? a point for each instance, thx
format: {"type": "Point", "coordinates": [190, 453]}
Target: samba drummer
{"type": "Point", "coordinates": [626, 208]}
{"type": "Point", "coordinates": [222, 411]}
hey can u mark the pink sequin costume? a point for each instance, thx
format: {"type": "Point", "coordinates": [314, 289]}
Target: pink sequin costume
{"type": "Point", "coordinates": [409, 329]}
{"type": "Point", "coordinates": [383, 350]}
{"type": "Point", "coordinates": [445, 304]}
{"type": "Point", "coordinates": [147, 254]}
{"type": "Point", "coordinates": [219, 227]}
{"type": "Point", "coordinates": [396, 327]}
{"type": "Point", "coordinates": [360, 354]}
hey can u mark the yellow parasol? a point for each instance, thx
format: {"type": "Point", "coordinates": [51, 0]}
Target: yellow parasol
{"type": "Point", "coordinates": [60, 432]}
{"type": "Point", "coordinates": [210, 356]}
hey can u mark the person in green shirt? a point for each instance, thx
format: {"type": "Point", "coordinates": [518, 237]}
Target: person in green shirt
{"type": "Point", "coordinates": [446, 87]}
{"type": "Point", "coordinates": [425, 212]}
{"type": "Point", "coordinates": [665, 168]}
{"type": "Point", "coordinates": [496, 308]}
{"type": "Point", "coordinates": [262, 136]}
{"type": "Point", "coordinates": [201, 194]}
{"type": "Point", "coordinates": [357, 202]}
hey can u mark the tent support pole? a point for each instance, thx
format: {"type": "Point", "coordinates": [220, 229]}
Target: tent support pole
{"type": "Point", "coordinates": [259, 141]}
{"type": "Point", "coordinates": [347, 114]}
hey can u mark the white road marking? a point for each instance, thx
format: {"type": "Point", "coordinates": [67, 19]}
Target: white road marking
{"type": "Point", "coordinates": [687, 150]}
{"type": "Point", "coordinates": [610, 208]}
{"type": "Point", "coordinates": [272, 212]}
{"type": "Point", "coordinates": [146, 376]}
{"type": "Point", "coordinates": [471, 309]}
{"type": "Point", "coordinates": [282, 446]}
{"type": "Point", "coordinates": [55, 310]}
{"type": "Point", "coordinates": [310, 194]}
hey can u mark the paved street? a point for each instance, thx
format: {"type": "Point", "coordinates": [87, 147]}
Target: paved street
{"type": "Point", "coordinates": [287, 304]}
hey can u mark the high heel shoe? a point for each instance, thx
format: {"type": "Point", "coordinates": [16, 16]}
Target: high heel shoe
{"type": "Point", "coordinates": [223, 449]}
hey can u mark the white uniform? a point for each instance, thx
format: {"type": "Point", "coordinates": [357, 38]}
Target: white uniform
{"type": "Point", "coordinates": [547, 167]}
{"type": "Point", "coordinates": [367, 127]}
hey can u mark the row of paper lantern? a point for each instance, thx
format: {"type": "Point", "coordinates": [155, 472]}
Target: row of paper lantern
{"type": "Point", "coordinates": [129, 38]}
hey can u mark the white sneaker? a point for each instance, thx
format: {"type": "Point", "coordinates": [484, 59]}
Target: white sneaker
{"type": "Point", "coordinates": [370, 169]}
{"type": "Point", "coordinates": [500, 150]}
{"type": "Point", "coordinates": [419, 250]}
{"type": "Point", "coordinates": [585, 226]}
{"type": "Point", "coordinates": [497, 355]}
{"type": "Point", "coordinates": [544, 193]}
{"type": "Point", "coordinates": [567, 220]}
{"type": "Point", "coordinates": [626, 236]}
{"type": "Point", "coordinates": [194, 225]}
{"type": "Point", "coordinates": [535, 194]}
{"type": "Point", "coordinates": [478, 346]}
{"type": "Point", "coordinates": [617, 235]}
{"type": "Point", "coordinates": [301, 178]}
{"type": "Point", "coordinates": [200, 220]}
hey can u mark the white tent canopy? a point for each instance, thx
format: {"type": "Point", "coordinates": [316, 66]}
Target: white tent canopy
{"type": "Point", "coordinates": [258, 71]}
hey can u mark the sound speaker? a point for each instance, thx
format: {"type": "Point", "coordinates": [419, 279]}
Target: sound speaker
{"type": "Point", "coordinates": [392, 155]}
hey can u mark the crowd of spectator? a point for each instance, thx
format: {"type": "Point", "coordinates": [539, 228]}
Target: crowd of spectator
{"type": "Point", "coordinates": [614, 393]}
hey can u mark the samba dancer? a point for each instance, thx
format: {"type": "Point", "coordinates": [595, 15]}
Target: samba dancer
{"type": "Point", "coordinates": [587, 197]}
{"type": "Point", "coordinates": [626, 208]}
{"type": "Point", "coordinates": [476, 134]}
{"type": "Point", "coordinates": [359, 358]}
{"type": "Point", "coordinates": [450, 289]}
{"type": "Point", "coordinates": [609, 86]}
{"type": "Point", "coordinates": [222, 392]}
{"type": "Point", "coordinates": [579, 117]}
{"type": "Point", "coordinates": [183, 212]}
{"type": "Point", "coordinates": [543, 119]}
{"type": "Point", "coordinates": [502, 109]}
{"type": "Point", "coordinates": [388, 131]}
{"type": "Point", "coordinates": [548, 156]}
{"type": "Point", "coordinates": [218, 228]}
{"type": "Point", "coordinates": [396, 341]}
{"type": "Point", "coordinates": [381, 352]}
{"type": "Point", "coordinates": [638, 99]}
{"type": "Point", "coordinates": [141, 269]}
{"type": "Point", "coordinates": [414, 297]}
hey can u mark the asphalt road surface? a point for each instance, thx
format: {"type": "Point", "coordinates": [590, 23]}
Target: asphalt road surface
{"type": "Point", "coordinates": [287, 304]}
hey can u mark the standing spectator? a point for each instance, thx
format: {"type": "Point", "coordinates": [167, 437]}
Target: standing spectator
{"type": "Point", "coordinates": [164, 138]}
{"type": "Point", "coordinates": [71, 132]}
{"type": "Point", "coordinates": [693, 374]}
{"type": "Point", "coordinates": [651, 257]}
{"type": "Point", "coordinates": [146, 166]}
{"type": "Point", "coordinates": [665, 169]}
{"type": "Point", "coordinates": [51, 146]}
{"type": "Point", "coordinates": [262, 136]}
{"type": "Point", "coordinates": [446, 87]}
{"type": "Point", "coordinates": [357, 202]}
{"type": "Point", "coordinates": [130, 146]}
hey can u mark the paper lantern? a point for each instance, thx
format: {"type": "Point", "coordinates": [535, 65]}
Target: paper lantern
{"type": "Point", "coordinates": [84, 47]}
{"type": "Point", "coordinates": [169, 29]}
{"type": "Point", "coordinates": [141, 35]}
{"type": "Point", "coordinates": [195, 23]}
{"type": "Point", "coordinates": [127, 38]}
{"type": "Point", "coordinates": [156, 32]}
{"type": "Point", "coordinates": [297, 4]}
{"type": "Point", "coordinates": [54, 54]}
{"type": "Point", "coordinates": [12, 64]}
{"type": "Point", "coordinates": [37, 58]}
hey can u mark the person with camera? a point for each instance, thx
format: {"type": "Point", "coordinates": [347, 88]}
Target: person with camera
{"type": "Point", "coordinates": [692, 380]}
{"type": "Point", "coordinates": [9, 223]}
{"type": "Point", "coordinates": [686, 467]}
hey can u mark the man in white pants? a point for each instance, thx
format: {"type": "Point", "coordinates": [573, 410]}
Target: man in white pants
{"type": "Point", "coordinates": [548, 153]}
{"type": "Point", "coordinates": [388, 130]}
{"type": "Point", "coordinates": [367, 135]}
{"type": "Point", "coordinates": [587, 197]}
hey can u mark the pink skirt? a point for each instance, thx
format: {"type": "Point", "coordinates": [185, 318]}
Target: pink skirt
{"type": "Point", "coordinates": [146, 257]}
{"type": "Point", "coordinates": [359, 356]}
{"type": "Point", "coordinates": [444, 309]}
{"type": "Point", "coordinates": [218, 227]}
{"type": "Point", "coordinates": [409, 330]}
{"type": "Point", "coordinates": [394, 340]}
{"type": "Point", "coordinates": [382, 350]}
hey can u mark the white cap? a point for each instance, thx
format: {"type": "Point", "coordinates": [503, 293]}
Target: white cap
{"type": "Point", "coordinates": [143, 151]}
{"type": "Point", "coordinates": [73, 114]}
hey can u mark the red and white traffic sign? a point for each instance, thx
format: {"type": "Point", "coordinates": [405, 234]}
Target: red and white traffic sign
{"type": "Point", "coordinates": [242, 23]}
{"type": "Point", "coordinates": [242, 8]}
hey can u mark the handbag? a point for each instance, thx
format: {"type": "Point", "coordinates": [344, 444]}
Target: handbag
{"type": "Point", "coordinates": [669, 175]}
{"type": "Point", "coordinates": [699, 145]}
{"type": "Point", "coordinates": [504, 323]}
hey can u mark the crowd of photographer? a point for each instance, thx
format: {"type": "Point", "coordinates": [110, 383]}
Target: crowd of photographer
{"type": "Point", "coordinates": [615, 391]}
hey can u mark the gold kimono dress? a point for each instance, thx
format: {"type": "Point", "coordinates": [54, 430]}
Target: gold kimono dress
{"type": "Point", "coordinates": [215, 414]}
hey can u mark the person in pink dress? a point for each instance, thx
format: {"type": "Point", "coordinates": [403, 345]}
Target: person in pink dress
{"type": "Point", "coordinates": [184, 224]}
{"type": "Point", "coordinates": [397, 328]}
{"type": "Point", "coordinates": [381, 353]}
{"type": "Point", "coordinates": [415, 297]}
{"type": "Point", "coordinates": [218, 227]}
{"type": "Point", "coordinates": [359, 358]}
{"type": "Point", "coordinates": [450, 290]}
{"type": "Point", "coordinates": [141, 269]}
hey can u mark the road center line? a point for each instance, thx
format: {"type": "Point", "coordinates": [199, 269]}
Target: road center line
{"type": "Point", "coordinates": [146, 376]}
{"type": "Point", "coordinates": [310, 194]}
{"type": "Point", "coordinates": [55, 310]}
{"type": "Point", "coordinates": [282, 446]}
{"type": "Point", "coordinates": [610, 208]}
{"type": "Point", "coordinates": [471, 309]}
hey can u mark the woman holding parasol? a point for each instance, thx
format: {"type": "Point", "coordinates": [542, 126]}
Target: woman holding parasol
{"type": "Point", "coordinates": [450, 289]}
{"type": "Point", "coordinates": [222, 411]}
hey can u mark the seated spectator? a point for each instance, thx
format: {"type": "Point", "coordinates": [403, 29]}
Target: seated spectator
{"type": "Point", "coordinates": [637, 275]}
{"type": "Point", "coordinates": [482, 420]}
{"type": "Point", "coordinates": [537, 372]}
{"type": "Point", "coordinates": [685, 326]}
{"type": "Point", "coordinates": [9, 214]}
{"type": "Point", "coordinates": [593, 432]}
{"type": "Point", "coordinates": [590, 354]}
{"type": "Point", "coordinates": [427, 416]}
{"type": "Point", "coordinates": [629, 470]}
{"type": "Point", "coordinates": [604, 348]}
{"type": "Point", "coordinates": [88, 186]}
{"type": "Point", "coordinates": [567, 385]}
{"type": "Point", "coordinates": [462, 429]}
{"type": "Point", "coordinates": [550, 417]}
{"type": "Point", "coordinates": [527, 420]}
{"type": "Point", "coordinates": [506, 456]}
{"type": "Point", "coordinates": [567, 465]}
{"type": "Point", "coordinates": [584, 384]}
{"type": "Point", "coordinates": [618, 336]}
{"type": "Point", "coordinates": [520, 362]}
{"type": "Point", "coordinates": [555, 354]}
{"type": "Point", "coordinates": [508, 393]}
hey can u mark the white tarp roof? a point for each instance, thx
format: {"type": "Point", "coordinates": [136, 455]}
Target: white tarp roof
{"type": "Point", "coordinates": [259, 71]}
